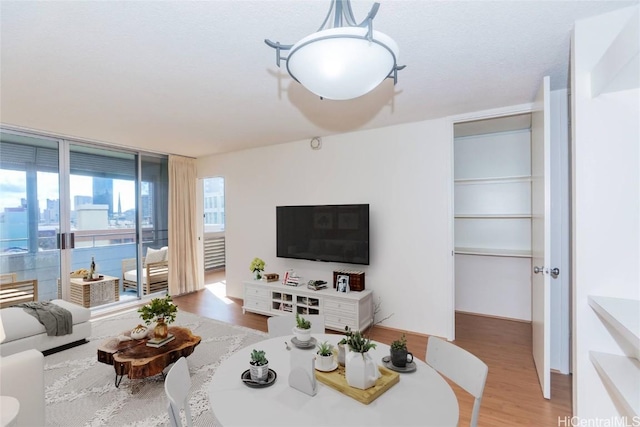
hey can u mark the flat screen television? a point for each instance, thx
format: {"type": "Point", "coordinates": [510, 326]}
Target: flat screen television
{"type": "Point", "coordinates": [332, 233]}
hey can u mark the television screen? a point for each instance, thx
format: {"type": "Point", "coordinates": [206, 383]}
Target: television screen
{"type": "Point", "coordinates": [334, 233]}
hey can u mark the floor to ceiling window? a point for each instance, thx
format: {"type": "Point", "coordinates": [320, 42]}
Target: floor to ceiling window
{"type": "Point", "coordinates": [214, 218]}
{"type": "Point", "coordinates": [64, 204]}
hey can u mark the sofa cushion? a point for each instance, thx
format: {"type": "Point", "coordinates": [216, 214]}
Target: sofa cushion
{"type": "Point", "coordinates": [19, 324]}
{"type": "Point", "coordinates": [132, 276]}
{"type": "Point", "coordinates": [154, 255]}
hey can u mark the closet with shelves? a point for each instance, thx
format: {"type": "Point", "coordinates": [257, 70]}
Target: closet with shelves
{"type": "Point", "coordinates": [492, 216]}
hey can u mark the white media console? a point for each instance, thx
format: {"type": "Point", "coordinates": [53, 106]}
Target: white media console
{"type": "Point", "coordinates": [353, 309]}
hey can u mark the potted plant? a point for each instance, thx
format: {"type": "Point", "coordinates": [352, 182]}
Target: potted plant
{"type": "Point", "coordinates": [399, 354]}
{"type": "Point", "coordinates": [258, 366]}
{"type": "Point", "coordinates": [324, 358]}
{"type": "Point", "coordinates": [360, 369]}
{"type": "Point", "coordinates": [257, 267]}
{"type": "Point", "coordinates": [162, 311]}
{"type": "Point", "coordinates": [302, 330]}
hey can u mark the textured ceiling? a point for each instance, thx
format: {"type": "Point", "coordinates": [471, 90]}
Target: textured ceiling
{"type": "Point", "coordinates": [195, 78]}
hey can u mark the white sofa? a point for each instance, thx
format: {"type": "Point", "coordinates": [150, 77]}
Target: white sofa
{"type": "Point", "coordinates": [22, 377]}
{"type": "Point", "coordinates": [24, 332]}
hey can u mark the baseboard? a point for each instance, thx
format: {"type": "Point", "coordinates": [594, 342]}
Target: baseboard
{"type": "Point", "coordinates": [401, 331]}
{"type": "Point", "coordinates": [492, 316]}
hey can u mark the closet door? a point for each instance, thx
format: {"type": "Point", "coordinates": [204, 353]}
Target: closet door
{"type": "Point", "coordinates": [541, 235]}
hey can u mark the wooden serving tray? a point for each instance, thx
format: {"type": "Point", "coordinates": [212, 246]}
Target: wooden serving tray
{"type": "Point", "coordinates": [336, 379]}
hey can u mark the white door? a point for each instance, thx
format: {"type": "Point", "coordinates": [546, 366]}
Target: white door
{"type": "Point", "coordinates": [541, 235]}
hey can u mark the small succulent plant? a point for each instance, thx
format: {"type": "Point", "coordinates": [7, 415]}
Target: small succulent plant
{"type": "Point", "coordinates": [325, 349]}
{"type": "Point", "coordinates": [400, 344]}
{"type": "Point", "coordinates": [302, 323]}
{"type": "Point", "coordinates": [258, 358]}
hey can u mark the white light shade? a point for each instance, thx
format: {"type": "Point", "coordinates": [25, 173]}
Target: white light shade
{"type": "Point", "coordinates": [340, 63]}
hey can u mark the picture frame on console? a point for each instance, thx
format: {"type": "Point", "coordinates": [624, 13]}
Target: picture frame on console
{"type": "Point", "coordinates": [342, 283]}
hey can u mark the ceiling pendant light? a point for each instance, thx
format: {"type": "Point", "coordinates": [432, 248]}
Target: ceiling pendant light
{"type": "Point", "coordinates": [342, 60]}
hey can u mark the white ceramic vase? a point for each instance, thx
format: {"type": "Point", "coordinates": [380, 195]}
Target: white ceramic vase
{"type": "Point", "coordinates": [139, 332]}
{"type": "Point", "coordinates": [341, 353]}
{"type": "Point", "coordinates": [360, 370]}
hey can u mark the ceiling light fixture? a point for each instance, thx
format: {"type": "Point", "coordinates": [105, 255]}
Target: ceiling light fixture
{"type": "Point", "coordinates": [342, 60]}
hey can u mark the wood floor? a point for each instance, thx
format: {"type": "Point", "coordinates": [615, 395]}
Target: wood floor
{"type": "Point", "coordinates": [512, 396]}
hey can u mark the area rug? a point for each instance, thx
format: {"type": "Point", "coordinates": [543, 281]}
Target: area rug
{"type": "Point", "coordinates": [80, 391]}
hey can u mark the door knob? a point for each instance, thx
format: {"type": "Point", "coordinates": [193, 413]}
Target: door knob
{"type": "Point", "coordinates": [555, 272]}
{"type": "Point", "coordinates": [537, 269]}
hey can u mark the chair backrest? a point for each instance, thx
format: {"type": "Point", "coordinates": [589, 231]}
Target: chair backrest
{"type": "Point", "coordinates": [8, 277]}
{"type": "Point", "coordinates": [282, 325]}
{"type": "Point", "coordinates": [461, 367]}
{"type": "Point", "coordinates": [176, 386]}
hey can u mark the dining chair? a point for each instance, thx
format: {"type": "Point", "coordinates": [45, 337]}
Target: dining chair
{"type": "Point", "coordinates": [461, 367]}
{"type": "Point", "coordinates": [278, 326]}
{"type": "Point", "coordinates": [176, 386]}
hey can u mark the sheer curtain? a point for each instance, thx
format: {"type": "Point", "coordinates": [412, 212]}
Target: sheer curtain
{"type": "Point", "coordinates": [183, 244]}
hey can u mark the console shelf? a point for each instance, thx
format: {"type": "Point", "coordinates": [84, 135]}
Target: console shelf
{"type": "Point", "coordinates": [353, 309]}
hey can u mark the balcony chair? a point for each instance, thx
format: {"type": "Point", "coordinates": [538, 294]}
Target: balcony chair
{"type": "Point", "coordinates": [155, 272]}
{"type": "Point", "coordinates": [12, 293]}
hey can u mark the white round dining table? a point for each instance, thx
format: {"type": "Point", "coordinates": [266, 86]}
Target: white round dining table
{"type": "Point", "coordinates": [421, 397]}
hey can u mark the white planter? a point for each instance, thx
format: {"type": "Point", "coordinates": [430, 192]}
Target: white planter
{"type": "Point", "coordinates": [259, 373]}
{"type": "Point", "coordinates": [360, 370]}
{"type": "Point", "coordinates": [324, 363]}
{"type": "Point", "coordinates": [303, 335]}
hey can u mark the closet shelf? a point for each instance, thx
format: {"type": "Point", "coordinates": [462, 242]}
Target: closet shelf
{"type": "Point", "coordinates": [513, 253]}
{"type": "Point", "coordinates": [622, 375]}
{"type": "Point", "coordinates": [621, 313]}
{"type": "Point", "coordinates": [492, 216]}
{"type": "Point", "coordinates": [494, 180]}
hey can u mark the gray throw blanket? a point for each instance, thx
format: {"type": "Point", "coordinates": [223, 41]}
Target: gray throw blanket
{"type": "Point", "coordinates": [56, 320]}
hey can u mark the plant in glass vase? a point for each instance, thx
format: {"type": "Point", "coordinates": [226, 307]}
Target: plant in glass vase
{"type": "Point", "coordinates": [162, 311]}
{"type": "Point", "coordinates": [257, 267]}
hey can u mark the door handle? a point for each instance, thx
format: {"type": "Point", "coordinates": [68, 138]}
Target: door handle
{"type": "Point", "coordinates": [555, 272]}
{"type": "Point", "coordinates": [537, 269]}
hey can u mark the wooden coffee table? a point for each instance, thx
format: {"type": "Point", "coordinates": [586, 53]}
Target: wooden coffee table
{"type": "Point", "coordinates": [137, 360]}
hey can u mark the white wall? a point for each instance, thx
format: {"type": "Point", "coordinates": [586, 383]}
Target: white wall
{"type": "Point", "coordinates": [494, 286]}
{"type": "Point", "coordinates": [606, 207]}
{"type": "Point", "coordinates": [405, 174]}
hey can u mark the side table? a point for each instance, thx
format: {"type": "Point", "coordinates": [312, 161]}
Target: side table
{"type": "Point", "coordinates": [90, 293]}
{"type": "Point", "coordinates": [9, 409]}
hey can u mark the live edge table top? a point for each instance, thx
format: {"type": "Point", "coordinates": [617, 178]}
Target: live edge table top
{"type": "Point", "coordinates": [137, 360]}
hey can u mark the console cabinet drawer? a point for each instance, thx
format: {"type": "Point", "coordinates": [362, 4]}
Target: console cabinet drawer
{"type": "Point", "coordinates": [337, 321]}
{"type": "Point", "coordinates": [338, 305]}
{"type": "Point", "coordinates": [256, 291]}
{"type": "Point", "coordinates": [256, 304]}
